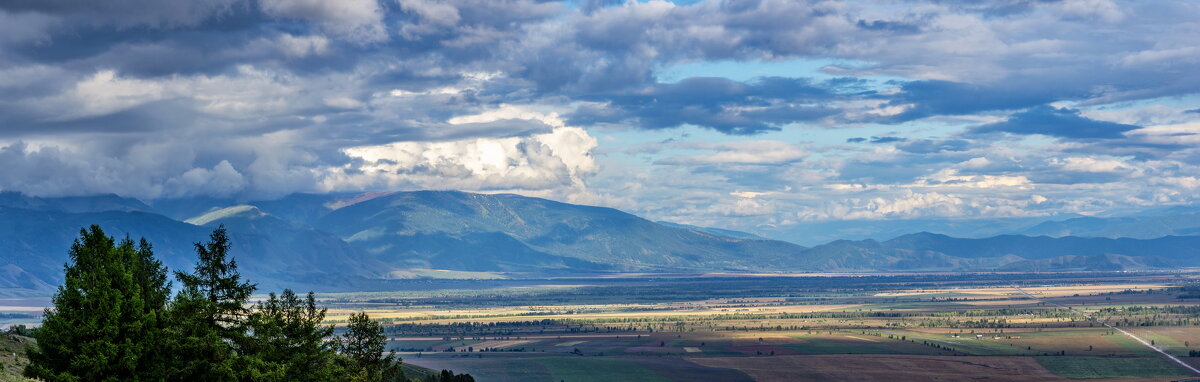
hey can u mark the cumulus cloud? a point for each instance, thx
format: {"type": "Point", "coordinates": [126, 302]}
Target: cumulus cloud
{"type": "Point", "coordinates": [56, 170]}
{"type": "Point", "coordinates": [555, 159]}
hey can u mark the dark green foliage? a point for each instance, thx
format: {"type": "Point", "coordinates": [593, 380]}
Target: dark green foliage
{"type": "Point", "coordinates": [209, 315]}
{"type": "Point", "coordinates": [114, 320]}
{"type": "Point", "coordinates": [216, 279]}
{"type": "Point", "coordinates": [362, 347]}
{"type": "Point", "coordinates": [287, 340]}
{"type": "Point", "coordinates": [22, 330]}
{"type": "Point", "coordinates": [449, 376]}
{"type": "Point", "coordinates": [107, 324]}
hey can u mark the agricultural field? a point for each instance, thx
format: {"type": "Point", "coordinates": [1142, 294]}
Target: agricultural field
{"type": "Point", "coordinates": [1003, 327]}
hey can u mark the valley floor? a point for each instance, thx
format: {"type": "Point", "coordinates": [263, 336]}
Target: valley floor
{"type": "Point", "coordinates": [1030, 327]}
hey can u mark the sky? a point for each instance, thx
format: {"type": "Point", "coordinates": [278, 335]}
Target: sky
{"type": "Point", "coordinates": [739, 114]}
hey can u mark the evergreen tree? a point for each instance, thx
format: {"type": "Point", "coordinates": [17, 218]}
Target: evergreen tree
{"type": "Point", "coordinates": [448, 376]}
{"type": "Point", "coordinates": [151, 275]}
{"type": "Point", "coordinates": [209, 315]}
{"type": "Point", "coordinates": [111, 322]}
{"type": "Point", "coordinates": [106, 323]}
{"type": "Point", "coordinates": [288, 340]}
{"type": "Point", "coordinates": [362, 348]}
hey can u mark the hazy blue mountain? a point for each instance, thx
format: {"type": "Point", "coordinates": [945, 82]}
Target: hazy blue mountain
{"type": "Point", "coordinates": [15, 281]}
{"type": "Point", "coordinates": [1107, 262]}
{"type": "Point", "coordinates": [1040, 247]}
{"type": "Point", "coordinates": [288, 251]}
{"type": "Point", "coordinates": [340, 241]}
{"type": "Point", "coordinates": [1139, 224]}
{"type": "Point", "coordinates": [34, 243]}
{"type": "Point", "coordinates": [187, 208]}
{"type": "Point", "coordinates": [436, 228]}
{"type": "Point", "coordinates": [77, 204]}
{"type": "Point", "coordinates": [927, 251]}
{"type": "Point", "coordinates": [821, 232]}
{"type": "Point", "coordinates": [1177, 221]}
{"type": "Point", "coordinates": [715, 231]}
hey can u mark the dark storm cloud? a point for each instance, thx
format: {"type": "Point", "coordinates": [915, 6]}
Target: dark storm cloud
{"type": "Point", "coordinates": [721, 104]}
{"type": "Point", "coordinates": [618, 47]}
{"type": "Point", "coordinates": [1056, 122]}
{"type": "Point", "coordinates": [932, 98]}
{"type": "Point", "coordinates": [129, 13]}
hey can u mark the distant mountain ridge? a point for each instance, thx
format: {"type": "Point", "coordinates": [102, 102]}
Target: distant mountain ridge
{"type": "Point", "coordinates": [715, 231]}
{"type": "Point", "coordinates": [336, 241]}
{"type": "Point", "coordinates": [72, 204]}
{"type": "Point", "coordinates": [1179, 222]}
{"type": "Point", "coordinates": [934, 252]}
{"type": "Point", "coordinates": [443, 228]}
{"type": "Point", "coordinates": [34, 243]}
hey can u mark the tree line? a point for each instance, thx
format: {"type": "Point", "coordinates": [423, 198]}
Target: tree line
{"type": "Point", "coordinates": [115, 319]}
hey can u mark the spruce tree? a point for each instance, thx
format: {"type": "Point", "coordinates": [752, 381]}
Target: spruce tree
{"type": "Point", "coordinates": [106, 323]}
{"type": "Point", "coordinates": [288, 340]}
{"type": "Point", "coordinates": [209, 315]}
{"type": "Point", "coordinates": [362, 348]}
{"type": "Point", "coordinates": [151, 276]}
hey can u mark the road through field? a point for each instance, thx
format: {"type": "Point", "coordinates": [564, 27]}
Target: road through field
{"type": "Point", "coordinates": [1131, 335]}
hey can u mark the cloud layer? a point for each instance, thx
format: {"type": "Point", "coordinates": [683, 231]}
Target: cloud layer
{"type": "Point", "coordinates": [865, 110]}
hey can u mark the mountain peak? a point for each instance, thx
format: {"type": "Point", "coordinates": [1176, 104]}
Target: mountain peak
{"type": "Point", "coordinates": [241, 211]}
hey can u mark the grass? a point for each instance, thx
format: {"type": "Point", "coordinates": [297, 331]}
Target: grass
{"type": "Point", "coordinates": [1105, 367]}
{"type": "Point", "coordinates": [437, 345]}
{"type": "Point", "coordinates": [813, 345]}
{"type": "Point", "coordinates": [586, 369]}
{"type": "Point", "coordinates": [12, 357]}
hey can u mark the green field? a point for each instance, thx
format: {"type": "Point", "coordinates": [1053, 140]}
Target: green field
{"type": "Point", "coordinates": [817, 345]}
{"type": "Point", "coordinates": [597, 369]}
{"type": "Point", "coordinates": [1110, 367]}
{"type": "Point", "coordinates": [586, 368]}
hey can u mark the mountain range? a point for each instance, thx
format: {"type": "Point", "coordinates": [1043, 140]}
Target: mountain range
{"type": "Point", "coordinates": [342, 241]}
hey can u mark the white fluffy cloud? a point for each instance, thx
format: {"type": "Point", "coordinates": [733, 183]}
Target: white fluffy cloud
{"type": "Point", "coordinates": [556, 159]}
